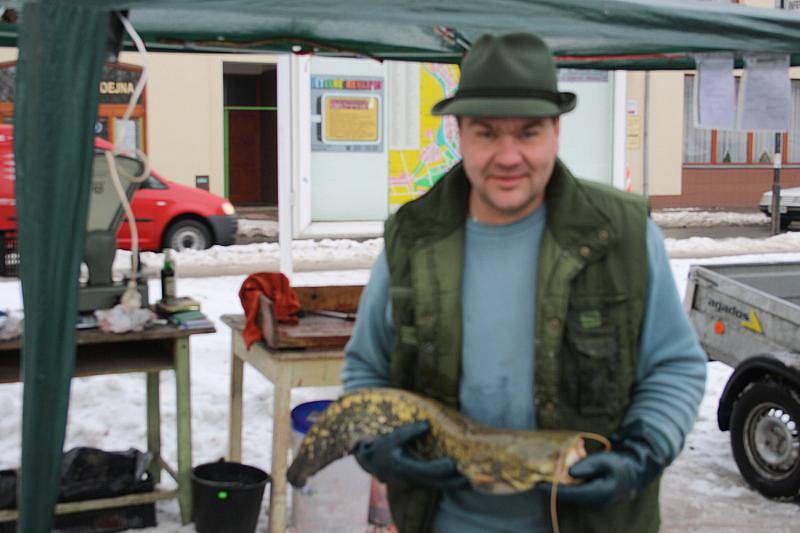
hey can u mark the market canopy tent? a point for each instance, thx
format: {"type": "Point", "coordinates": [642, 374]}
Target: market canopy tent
{"type": "Point", "coordinates": [63, 44]}
{"type": "Point", "coordinates": [631, 34]}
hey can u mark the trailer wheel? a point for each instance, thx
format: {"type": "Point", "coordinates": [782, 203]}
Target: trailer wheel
{"type": "Point", "coordinates": [765, 437]}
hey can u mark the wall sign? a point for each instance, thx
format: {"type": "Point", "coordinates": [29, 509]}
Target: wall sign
{"type": "Point", "coordinates": [350, 119]}
{"type": "Point", "coordinates": [346, 114]}
{"type": "Point", "coordinates": [116, 84]}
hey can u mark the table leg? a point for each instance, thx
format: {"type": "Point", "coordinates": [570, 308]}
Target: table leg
{"type": "Point", "coordinates": [184, 416]}
{"type": "Point", "coordinates": [235, 411]}
{"type": "Point", "coordinates": [281, 433]}
{"type": "Point", "coordinates": [154, 425]}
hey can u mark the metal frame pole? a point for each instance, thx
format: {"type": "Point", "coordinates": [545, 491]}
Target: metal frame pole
{"type": "Point", "coordinates": [775, 208]}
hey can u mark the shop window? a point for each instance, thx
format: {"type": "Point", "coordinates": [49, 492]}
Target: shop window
{"type": "Point", "coordinates": [731, 146]}
{"type": "Point", "coordinates": [721, 147]}
{"type": "Point", "coordinates": [763, 147]}
{"type": "Point", "coordinates": [696, 142]}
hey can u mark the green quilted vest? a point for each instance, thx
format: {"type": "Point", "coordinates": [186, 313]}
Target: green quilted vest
{"type": "Point", "coordinates": [590, 300]}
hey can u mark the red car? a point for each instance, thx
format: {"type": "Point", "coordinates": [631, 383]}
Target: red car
{"type": "Point", "coordinates": [168, 215]}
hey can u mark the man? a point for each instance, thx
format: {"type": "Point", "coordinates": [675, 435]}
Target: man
{"type": "Point", "coordinates": [527, 299]}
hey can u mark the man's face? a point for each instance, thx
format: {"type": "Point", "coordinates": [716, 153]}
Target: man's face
{"type": "Point", "coordinates": [508, 161]}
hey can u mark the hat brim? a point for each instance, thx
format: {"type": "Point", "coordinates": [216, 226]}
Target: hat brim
{"type": "Point", "coordinates": [505, 107]}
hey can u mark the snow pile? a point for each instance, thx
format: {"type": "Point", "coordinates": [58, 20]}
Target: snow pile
{"type": "Point", "coordinates": [348, 254]}
{"type": "Point", "coordinates": [307, 255]}
{"type": "Point", "coordinates": [667, 218]}
{"type": "Point", "coordinates": [257, 228]}
{"type": "Point", "coordinates": [707, 247]}
{"type": "Point", "coordinates": [687, 218]}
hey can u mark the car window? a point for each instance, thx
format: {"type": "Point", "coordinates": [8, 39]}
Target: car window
{"type": "Point", "coordinates": [152, 183]}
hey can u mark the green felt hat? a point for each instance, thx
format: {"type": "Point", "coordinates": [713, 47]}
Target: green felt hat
{"type": "Point", "coordinates": [511, 75]}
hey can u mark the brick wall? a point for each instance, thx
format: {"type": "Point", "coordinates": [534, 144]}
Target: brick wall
{"type": "Point", "coordinates": [724, 188]}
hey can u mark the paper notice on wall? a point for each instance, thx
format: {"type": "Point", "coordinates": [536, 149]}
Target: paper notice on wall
{"type": "Point", "coordinates": [714, 92]}
{"type": "Point", "coordinates": [404, 122]}
{"type": "Point", "coordinates": [765, 93]}
{"type": "Point", "coordinates": [351, 119]}
{"type": "Point", "coordinates": [633, 132]}
{"type": "Point", "coordinates": [125, 135]}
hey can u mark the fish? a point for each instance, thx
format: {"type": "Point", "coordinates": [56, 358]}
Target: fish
{"type": "Point", "coordinates": [495, 461]}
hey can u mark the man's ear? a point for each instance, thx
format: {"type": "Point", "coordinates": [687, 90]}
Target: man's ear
{"type": "Point", "coordinates": [557, 124]}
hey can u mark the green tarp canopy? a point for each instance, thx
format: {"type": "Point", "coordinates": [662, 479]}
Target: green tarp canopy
{"type": "Point", "coordinates": [62, 46]}
{"type": "Point", "coordinates": [630, 34]}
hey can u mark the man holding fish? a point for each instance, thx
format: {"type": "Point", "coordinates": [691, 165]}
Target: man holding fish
{"type": "Point", "coordinates": [526, 299]}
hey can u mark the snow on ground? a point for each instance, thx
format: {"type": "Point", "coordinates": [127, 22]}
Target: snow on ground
{"type": "Point", "coordinates": [249, 227]}
{"type": "Point", "coordinates": [337, 254]}
{"type": "Point", "coordinates": [701, 492]}
{"type": "Point", "coordinates": [108, 412]}
{"type": "Point", "coordinates": [708, 247]}
{"type": "Point", "coordinates": [666, 218]}
{"type": "Point", "coordinates": [690, 218]}
{"type": "Point", "coordinates": [307, 255]}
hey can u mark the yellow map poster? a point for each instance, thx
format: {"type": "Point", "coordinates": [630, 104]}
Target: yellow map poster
{"type": "Point", "coordinates": [412, 172]}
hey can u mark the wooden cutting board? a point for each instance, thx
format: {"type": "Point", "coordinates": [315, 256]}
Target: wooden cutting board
{"type": "Point", "coordinates": [312, 331]}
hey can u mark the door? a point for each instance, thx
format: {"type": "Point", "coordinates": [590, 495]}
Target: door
{"type": "Point", "coordinates": [251, 133]}
{"type": "Point", "coordinates": [244, 156]}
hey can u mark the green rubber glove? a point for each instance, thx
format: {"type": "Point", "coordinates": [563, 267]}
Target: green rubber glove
{"type": "Point", "coordinates": [615, 476]}
{"type": "Point", "coordinates": [385, 458]}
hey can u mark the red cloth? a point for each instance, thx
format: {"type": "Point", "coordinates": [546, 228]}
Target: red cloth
{"type": "Point", "coordinates": [275, 286]}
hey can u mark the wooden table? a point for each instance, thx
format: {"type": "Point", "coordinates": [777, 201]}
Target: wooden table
{"type": "Point", "coordinates": [149, 351]}
{"type": "Point", "coordinates": [285, 368]}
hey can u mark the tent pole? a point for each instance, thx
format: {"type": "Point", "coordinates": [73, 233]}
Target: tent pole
{"type": "Point", "coordinates": [619, 151]}
{"type": "Point", "coordinates": [646, 138]}
{"type": "Point", "coordinates": [775, 208]}
{"type": "Point", "coordinates": [285, 166]}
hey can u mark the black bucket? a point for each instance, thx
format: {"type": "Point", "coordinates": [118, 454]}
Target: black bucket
{"type": "Point", "coordinates": [226, 497]}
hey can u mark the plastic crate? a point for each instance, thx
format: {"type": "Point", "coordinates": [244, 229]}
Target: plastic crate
{"type": "Point", "coordinates": [88, 474]}
{"type": "Point", "coordinates": [9, 254]}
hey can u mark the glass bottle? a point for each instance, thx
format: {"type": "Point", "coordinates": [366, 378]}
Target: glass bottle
{"type": "Point", "coordinates": [168, 277]}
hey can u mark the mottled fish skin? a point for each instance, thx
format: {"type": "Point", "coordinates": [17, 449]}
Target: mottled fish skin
{"type": "Point", "coordinates": [496, 461]}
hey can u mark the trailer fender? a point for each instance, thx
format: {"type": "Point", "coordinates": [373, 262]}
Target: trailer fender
{"type": "Point", "coordinates": [752, 370]}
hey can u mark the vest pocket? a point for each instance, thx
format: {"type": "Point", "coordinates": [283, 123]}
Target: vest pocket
{"type": "Point", "coordinates": [403, 314]}
{"type": "Point", "coordinates": [589, 363]}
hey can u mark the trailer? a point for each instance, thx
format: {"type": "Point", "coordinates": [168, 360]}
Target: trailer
{"type": "Point", "coordinates": [747, 316]}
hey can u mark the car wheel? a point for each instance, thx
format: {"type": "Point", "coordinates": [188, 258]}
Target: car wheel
{"type": "Point", "coordinates": [786, 221]}
{"type": "Point", "coordinates": [765, 438]}
{"type": "Point", "coordinates": [187, 234]}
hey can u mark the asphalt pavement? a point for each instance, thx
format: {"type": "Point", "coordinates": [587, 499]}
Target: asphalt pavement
{"type": "Point", "coordinates": [761, 231]}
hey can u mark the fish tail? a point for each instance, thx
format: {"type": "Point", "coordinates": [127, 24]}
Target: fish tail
{"type": "Point", "coordinates": [357, 416]}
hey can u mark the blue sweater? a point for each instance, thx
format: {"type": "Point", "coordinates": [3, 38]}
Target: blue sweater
{"type": "Point", "coordinates": [496, 388]}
